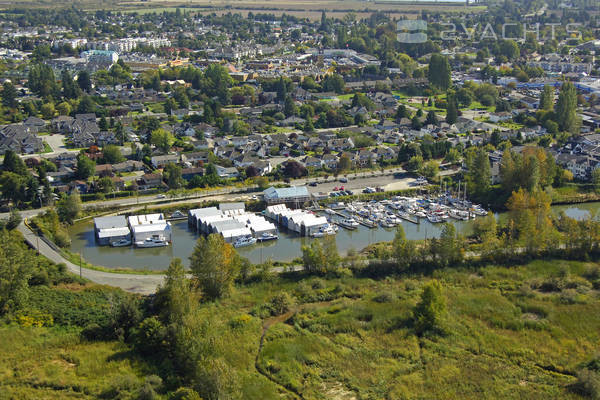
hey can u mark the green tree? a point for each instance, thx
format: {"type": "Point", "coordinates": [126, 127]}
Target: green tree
{"type": "Point", "coordinates": [479, 176]}
{"type": "Point", "coordinates": [431, 308]}
{"type": "Point", "coordinates": [566, 109]}
{"type": "Point", "coordinates": [85, 167]}
{"type": "Point", "coordinates": [162, 139]}
{"type": "Point", "coordinates": [547, 98]}
{"type": "Point", "coordinates": [48, 110]}
{"type": "Point", "coordinates": [106, 185]}
{"type": "Point", "coordinates": [344, 163]}
{"type": "Point", "coordinates": [415, 163]}
{"type": "Point", "coordinates": [451, 108]}
{"type": "Point", "coordinates": [430, 170]}
{"type": "Point", "coordinates": [172, 175]}
{"type": "Point", "coordinates": [112, 154]}
{"type": "Point", "coordinates": [9, 95]}
{"type": "Point", "coordinates": [176, 294]}
{"type": "Point", "coordinates": [84, 81]}
{"type": "Point", "coordinates": [448, 247]}
{"type": "Point", "coordinates": [16, 267]}
{"type": "Point", "coordinates": [69, 207]}
{"type": "Point", "coordinates": [13, 163]}
{"type": "Point", "coordinates": [596, 179]}
{"type": "Point", "coordinates": [431, 118]}
{"type": "Point", "coordinates": [403, 249]}
{"type": "Point", "coordinates": [214, 266]}
{"type": "Point", "coordinates": [439, 72]}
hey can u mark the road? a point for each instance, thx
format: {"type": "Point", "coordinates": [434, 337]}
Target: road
{"type": "Point", "coordinates": [135, 283]}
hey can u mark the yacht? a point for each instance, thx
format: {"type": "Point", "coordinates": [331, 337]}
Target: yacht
{"type": "Point", "coordinates": [244, 241]}
{"type": "Point", "coordinates": [434, 219]}
{"type": "Point", "coordinates": [266, 237]}
{"type": "Point", "coordinates": [154, 241]}
{"type": "Point", "coordinates": [121, 243]}
{"type": "Point", "coordinates": [478, 210]}
{"type": "Point", "coordinates": [349, 223]}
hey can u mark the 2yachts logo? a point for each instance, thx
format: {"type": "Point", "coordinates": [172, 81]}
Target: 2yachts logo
{"type": "Point", "coordinates": [408, 31]}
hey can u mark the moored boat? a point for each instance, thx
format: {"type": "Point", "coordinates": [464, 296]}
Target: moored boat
{"type": "Point", "coordinates": [244, 241]}
{"type": "Point", "coordinates": [121, 243]}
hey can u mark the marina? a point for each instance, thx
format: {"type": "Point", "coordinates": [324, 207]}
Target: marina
{"type": "Point", "coordinates": [286, 248]}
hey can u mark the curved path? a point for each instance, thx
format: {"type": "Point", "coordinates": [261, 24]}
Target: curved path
{"type": "Point", "coordinates": [135, 283]}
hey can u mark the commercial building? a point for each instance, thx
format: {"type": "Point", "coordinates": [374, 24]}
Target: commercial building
{"type": "Point", "coordinates": [293, 196]}
{"type": "Point", "coordinates": [148, 226]}
{"type": "Point", "coordinates": [111, 229]}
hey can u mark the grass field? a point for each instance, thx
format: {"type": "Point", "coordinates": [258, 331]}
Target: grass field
{"type": "Point", "coordinates": [307, 8]}
{"type": "Point", "coordinates": [509, 332]}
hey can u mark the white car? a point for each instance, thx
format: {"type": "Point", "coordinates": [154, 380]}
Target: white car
{"type": "Point", "coordinates": [161, 196]}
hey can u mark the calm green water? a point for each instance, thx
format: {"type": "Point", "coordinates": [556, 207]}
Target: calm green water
{"type": "Point", "coordinates": [286, 248]}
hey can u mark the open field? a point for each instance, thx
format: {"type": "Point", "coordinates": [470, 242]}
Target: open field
{"type": "Point", "coordinates": [307, 8]}
{"type": "Point", "coordinates": [509, 332]}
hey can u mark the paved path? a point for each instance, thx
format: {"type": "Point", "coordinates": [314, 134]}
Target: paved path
{"type": "Point", "coordinates": [135, 283]}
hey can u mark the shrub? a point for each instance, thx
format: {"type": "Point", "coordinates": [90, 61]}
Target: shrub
{"type": "Point", "coordinates": [150, 336]}
{"type": "Point", "coordinates": [384, 297]}
{"type": "Point", "coordinates": [588, 383]}
{"type": "Point", "coordinates": [280, 303]}
{"type": "Point", "coordinates": [35, 318]}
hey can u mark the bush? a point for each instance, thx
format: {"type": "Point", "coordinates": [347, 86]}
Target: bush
{"type": "Point", "coordinates": [588, 383]}
{"type": "Point", "coordinates": [384, 297]}
{"type": "Point", "coordinates": [150, 336]}
{"type": "Point", "coordinates": [280, 303]}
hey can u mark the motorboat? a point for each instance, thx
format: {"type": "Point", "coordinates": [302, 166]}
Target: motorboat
{"type": "Point", "coordinates": [349, 223]}
{"type": "Point", "coordinates": [121, 243]}
{"type": "Point", "coordinates": [478, 210]}
{"type": "Point", "coordinates": [266, 236]}
{"type": "Point", "coordinates": [177, 214]}
{"type": "Point", "coordinates": [434, 219]}
{"type": "Point", "coordinates": [244, 241]}
{"type": "Point", "coordinates": [154, 241]}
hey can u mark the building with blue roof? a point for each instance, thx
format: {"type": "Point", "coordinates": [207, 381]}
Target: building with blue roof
{"type": "Point", "coordinates": [296, 195]}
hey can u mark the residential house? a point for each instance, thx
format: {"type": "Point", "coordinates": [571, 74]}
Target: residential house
{"type": "Point", "coordinates": [150, 181]}
{"type": "Point", "coordinates": [225, 172]}
{"type": "Point", "coordinates": [189, 173]}
{"type": "Point", "coordinates": [312, 162]}
{"type": "Point", "coordinates": [128, 166]}
{"type": "Point", "coordinates": [104, 170]}
{"type": "Point", "coordinates": [340, 144]}
{"type": "Point", "coordinates": [20, 139]}
{"type": "Point", "coordinates": [330, 161]}
{"type": "Point", "coordinates": [365, 157]}
{"type": "Point", "coordinates": [161, 161]}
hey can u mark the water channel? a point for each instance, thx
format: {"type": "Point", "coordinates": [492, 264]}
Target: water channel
{"type": "Point", "coordinates": [286, 248]}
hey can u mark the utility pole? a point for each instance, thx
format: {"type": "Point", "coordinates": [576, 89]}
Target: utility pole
{"type": "Point", "coordinates": [80, 275]}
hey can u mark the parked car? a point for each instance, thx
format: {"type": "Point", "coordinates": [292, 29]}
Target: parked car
{"type": "Point", "coordinates": [312, 184]}
{"type": "Point", "coordinates": [344, 180]}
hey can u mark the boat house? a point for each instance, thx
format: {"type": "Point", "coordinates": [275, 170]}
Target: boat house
{"type": "Point", "coordinates": [147, 226]}
{"type": "Point", "coordinates": [111, 229]}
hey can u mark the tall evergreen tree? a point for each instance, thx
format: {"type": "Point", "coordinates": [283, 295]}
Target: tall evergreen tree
{"type": "Point", "coordinates": [566, 108]}
{"type": "Point", "coordinates": [547, 98]}
{"type": "Point", "coordinates": [451, 108]}
{"type": "Point", "coordinates": [9, 95]}
{"type": "Point", "coordinates": [439, 72]}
